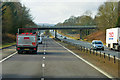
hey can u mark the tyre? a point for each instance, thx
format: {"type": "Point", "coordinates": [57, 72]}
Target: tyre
{"type": "Point", "coordinates": [34, 52]}
{"type": "Point", "coordinates": [102, 49]}
{"type": "Point", "coordinates": [19, 52]}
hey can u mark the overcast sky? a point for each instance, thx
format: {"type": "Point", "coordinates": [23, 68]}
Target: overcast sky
{"type": "Point", "coordinates": [54, 11]}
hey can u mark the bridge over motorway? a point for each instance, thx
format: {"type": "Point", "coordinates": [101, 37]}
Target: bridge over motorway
{"type": "Point", "coordinates": [87, 28]}
{"type": "Point", "coordinates": [66, 27]}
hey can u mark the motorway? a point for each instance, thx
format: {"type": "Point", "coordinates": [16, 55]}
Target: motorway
{"type": "Point", "coordinates": [52, 62]}
{"type": "Point", "coordinates": [88, 45]}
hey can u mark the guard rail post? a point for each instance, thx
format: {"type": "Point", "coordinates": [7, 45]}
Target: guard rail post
{"type": "Point", "coordinates": [114, 59]}
{"type": "Point", "coordinates": [87, 50]}
{"type": "Point", "coordinates": [104, 55]}
{"type": "Point", "coordinates": [81, 48]}
{"type": "Point", "coordinates": [90, 51]}
{"type": "Point", "coordinates": [84, 49]}
{"type": "Point", "coordinates": [96, 52]}
{"type": "Point", "coordinates": [100, 53]}
{"type": "Point", "coordinates": [93, 52]}
{"type": "Point", "coordinates": [109, 57]}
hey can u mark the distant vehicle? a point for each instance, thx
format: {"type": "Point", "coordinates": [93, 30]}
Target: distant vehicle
{"type": "Point", "coordinates": [26, 42]}
{"type": "Point", "coordinates": [64, 37]}
{"type": "Point", "coordinates": [40, 40]}
{"type": "Point", "coordinates": [41, 34]}
{"type": "Point", "coordinates": [113, 38]}
{"type": "Point", "coordinates": [60, 35]}
{"type": "Point", "coordinates": [97, 45]}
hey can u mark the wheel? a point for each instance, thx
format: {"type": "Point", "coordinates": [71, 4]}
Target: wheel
{"type": "Point", "coordinates": [34, 52]}
{"type": "Point", "coordinates": [19, 52]}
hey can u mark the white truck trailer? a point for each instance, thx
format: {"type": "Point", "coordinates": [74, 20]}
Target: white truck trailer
{"type": "Point", "coordinates": [113, 38]}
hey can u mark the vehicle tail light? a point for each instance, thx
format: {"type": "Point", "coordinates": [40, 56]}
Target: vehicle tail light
{"type": "Point", "coordinates": [23, 33]}
{"type": "Point", "coordinates": [33, 43]}
{"type": "Point", "coordinates": [27, 33]}
{"type": "Point", "coordinates": [18, 48]}
{"type": "Point", "coordinates": [34, 48]}
{"type": "Point", "coordinates": [31, 33]}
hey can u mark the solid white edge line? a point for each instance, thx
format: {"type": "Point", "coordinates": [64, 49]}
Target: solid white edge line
{"type": "Point", "coordinates": [98, 69]}
{"type": "Point", "coordinates": [8, 57]}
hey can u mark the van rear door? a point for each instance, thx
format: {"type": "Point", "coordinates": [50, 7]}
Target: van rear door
{"type": "Point", "coordinates": [26, 40]}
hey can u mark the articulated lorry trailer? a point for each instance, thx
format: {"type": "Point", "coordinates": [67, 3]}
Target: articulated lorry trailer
{"type": "Point", "coordinates": [113, 38]}
{"type": "Point", "coordinates": [26, 42]}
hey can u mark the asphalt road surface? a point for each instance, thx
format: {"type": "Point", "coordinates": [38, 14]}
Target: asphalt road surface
{"type": "Point", "coordinates": [52, 62]}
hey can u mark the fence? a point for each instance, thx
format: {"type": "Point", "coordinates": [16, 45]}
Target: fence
{"type": "Point", "coordinates": [94, 52]}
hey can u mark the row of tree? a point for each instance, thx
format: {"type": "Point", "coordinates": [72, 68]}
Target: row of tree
{"type": "Point", "coordinates": [14, 16]}
{"type": "Point", "coordinates": [107, 17]}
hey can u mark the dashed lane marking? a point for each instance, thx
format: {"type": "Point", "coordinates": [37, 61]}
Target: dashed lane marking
{"type": "Point", "coordinates": [43, 57]}
{"type": "Point", "coordinates": [43, 65]}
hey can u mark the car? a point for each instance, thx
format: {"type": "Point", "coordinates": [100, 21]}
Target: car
{"type": "Point", "coordinates": [64, 37]}
{"type": "Point", "coordinates": [96, 44]}
{"type": "Point", "coordinates": [40, 40]}
{"type": "Point", "coordinates": [60, 35]}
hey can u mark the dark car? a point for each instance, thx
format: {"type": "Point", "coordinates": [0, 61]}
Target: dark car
{"type": "Point", "coordinates": [64, 37]}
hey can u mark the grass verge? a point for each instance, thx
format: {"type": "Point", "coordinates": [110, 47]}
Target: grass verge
{"type": "Point", "coordinates": [7, 45]}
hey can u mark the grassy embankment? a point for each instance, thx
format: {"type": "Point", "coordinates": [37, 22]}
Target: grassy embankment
{"type": "Point", "coordinates": [8, 40]}
{"type": "Point", "coordinates": [98, 35]}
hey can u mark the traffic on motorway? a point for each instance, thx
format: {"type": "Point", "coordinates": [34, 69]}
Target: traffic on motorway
{"type": "Point", "coordinates": [88, 45]}
{"type": "Point", "coordinates": [60, 40]}
{"type": "Point", "coordinates": [50, 58]}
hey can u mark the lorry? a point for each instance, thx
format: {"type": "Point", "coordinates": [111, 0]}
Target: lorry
{"type": "Point", "coordinates": [113, 38]}
{"type": "Point", "coordinates": [26, 42]}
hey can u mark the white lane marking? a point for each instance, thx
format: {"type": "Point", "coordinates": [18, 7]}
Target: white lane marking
{"type": "Point", "coordinates": [43, 65]}
{"type": "Point", "coordinates": [42, 78]}
{"type": "Point", "coordinates": [43, 57]}
{"type": "Point", "coordinates": [8, 57]}
{"type": "Point", "coordinates": [98, 69]}
{"type": "Point", "coordinates": [44, 50]}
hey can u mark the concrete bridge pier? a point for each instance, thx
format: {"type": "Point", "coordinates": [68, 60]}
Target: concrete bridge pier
{"type": "Point", "coordinates": [55, 33]}
{"type": "Point", "coordinates": [87, 32]}
{"type": "Point", "coordinates": [80, 33]}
